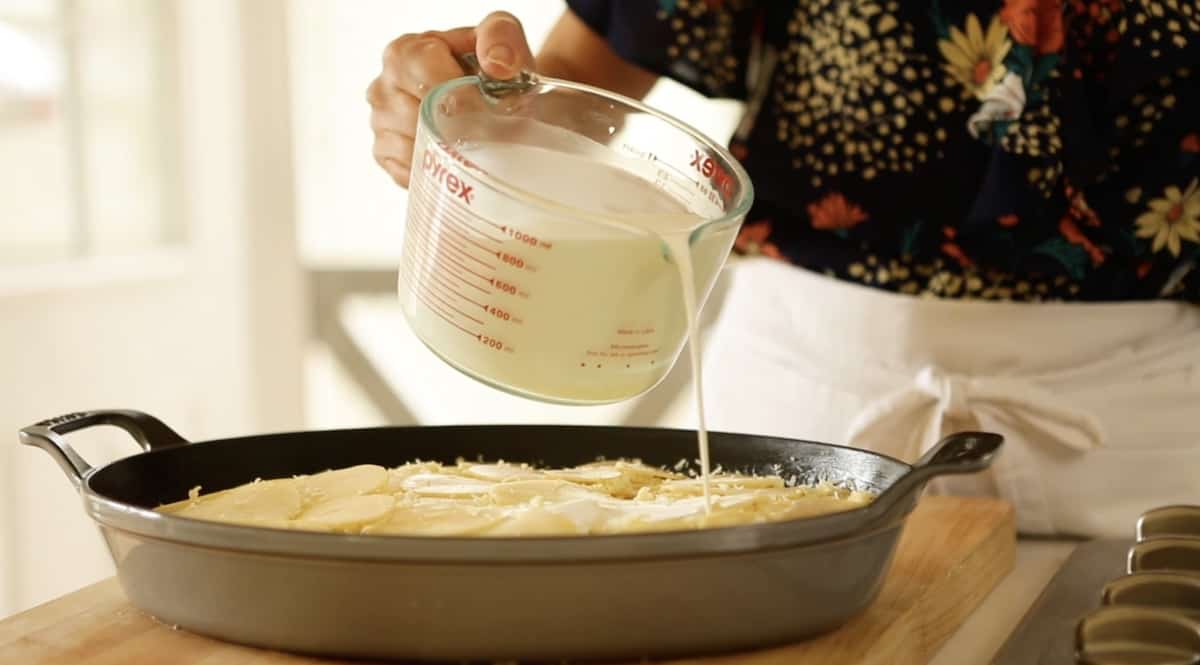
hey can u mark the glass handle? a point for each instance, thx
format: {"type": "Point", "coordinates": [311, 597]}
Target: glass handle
{"type": "Point", "coordinates": [492, 87]}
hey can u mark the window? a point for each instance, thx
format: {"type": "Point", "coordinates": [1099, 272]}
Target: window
{"type": "Point", "coordinates": [85, 118]}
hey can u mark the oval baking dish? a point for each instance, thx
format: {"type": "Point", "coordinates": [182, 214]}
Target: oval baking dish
{"type": "Point", "coordinates": [546, 598]}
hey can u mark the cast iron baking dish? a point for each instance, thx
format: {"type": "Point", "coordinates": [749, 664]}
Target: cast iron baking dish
{"type": "Point", "coordinates": [437, 598]}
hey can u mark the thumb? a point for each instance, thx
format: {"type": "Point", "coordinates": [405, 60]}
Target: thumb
{"type": "Point", "coordinates": [501, 47]}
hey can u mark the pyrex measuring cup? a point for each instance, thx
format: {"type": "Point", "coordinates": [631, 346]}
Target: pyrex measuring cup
{"type": "Point", "coordinates": [540, 219]}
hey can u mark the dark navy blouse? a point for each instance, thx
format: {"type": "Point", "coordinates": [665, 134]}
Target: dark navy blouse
{"type": "Point", "coordinates": [990, 149]}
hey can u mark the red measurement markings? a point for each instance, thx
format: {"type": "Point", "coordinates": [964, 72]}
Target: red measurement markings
{"type": "Point", "coordinates": [418, 279]}
{"type": "Point", "coordinates": [462, 218]}
{"type": "Point", "coordinates": [430, 263]}
{"type": "Point", "coordinates": [448, 290]}
{"type": "Point", "coordinates": [429, 291]}
{"type": "Point", "coordinates": [510, 259]}
{"type": "Point", "coordinates": [527, 238]}
{"type": "Point", "coordinates": [490, 223]}
{"type": "Point", "coordinates": [496, 312]}
{"type": "Point", "coordinates": [493, 343]}
{"type": "Point", "coordinates": [437, 279]}
{"type": "Point", "coordinates": [454, 235]}
{"type": "Point", "coordinates": [456, 230]}
{"type": "Point", "coordinates": [459, 235]}
{"type": "Point", "coordinates": [433, 261]}
{"type": "Point", "coordinates": [443, 315]}
{"type": "Point", "coordinates": [436, 286]}
{"type": "Point", "coordinates": [461, 213]}
{"type": "Point", "coordinates": [507, 287]}
{"type": "Point", "coordinates": [435, 249]}
{"type": "Point", "coordinates": [501, 314]}
{"type": "Point", "coordinates": [444, 239]}
{"type": "Point", "coordinates": [436, 207]}
{"type": "Point", "coordinates": [470, 231]}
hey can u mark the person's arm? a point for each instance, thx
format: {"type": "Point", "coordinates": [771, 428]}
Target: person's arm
{"type": "Point", "coordinates": [415, 63]}
{"type": "Point", "coordinates": [574, 52]}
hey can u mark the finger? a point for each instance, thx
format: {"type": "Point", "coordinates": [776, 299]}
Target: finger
{"type": "Point", "coordinates": [398, 115]}
{"type": "Point", "coordinates": [399, 173]}
{"type": "Point", "coordinates": [398, 170]}
{"type": "Point", "coordinates": [461, 40]}
{"type": "Point", "coordinates": [378, 93]}
{"type": "Point", "coordinates": [398, 122]}
{"type": "Point", "coordinates": [394, 147]}
{"type": "Point", "coordinates": [416, 63]}
{"type": "Point", "coordinates": [501, 46]}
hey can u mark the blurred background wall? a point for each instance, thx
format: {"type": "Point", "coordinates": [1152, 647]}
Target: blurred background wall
{"type": "Point", "coordinates": [191, 224]}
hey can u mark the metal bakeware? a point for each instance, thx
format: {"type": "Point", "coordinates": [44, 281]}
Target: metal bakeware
{"type": "Point", "coordinates": [434, 598]}
{"type": "Point", "coordinates": [1150, 616]}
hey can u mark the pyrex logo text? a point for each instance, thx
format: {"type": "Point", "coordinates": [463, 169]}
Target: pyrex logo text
{"type": "Point", "coordinates": [451, 182]}
{"type": "Point", "coordinates": [709, 168]}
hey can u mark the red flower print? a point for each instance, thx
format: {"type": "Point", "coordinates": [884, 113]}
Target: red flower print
{"type": "Point", "coordinates": [956, 252]}
{"type": "Point", "coordinates": [835, 212]}
{"type": "Point", "coordinates": [1071, 232]}
{"type": "Point", "coordinates": [950, 232]}
{"type": "Point", "coordinates": [1036, 23]}
{"type": "Point", "coordinates": [1143, 269]}
{"type": "Point", "coordinates": [1079, 210]}
{"type": "Point", "coordinates": [1008, 221]}
{"type": "Point", "coordinates": [1190, 143]}
{"type": "Point", "coordinates": [752, 240]}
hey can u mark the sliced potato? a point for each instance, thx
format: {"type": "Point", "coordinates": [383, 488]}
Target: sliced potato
{"type": "Point", "coordinates": [258, 503]}
{"type": "Point", "coordinates": [436, 520]}
{"type": "Point", "coordinates": [347, 513]}
{"type": "Point", "coordinates": [500, 472]}
{"type": "Point", "coordinates": [588, 475]}
{"type": "Point", "coordinates": [534, 522]}
{"type": "Point", "coordinates": [547, 490]}
{"type": "Point", "coordinates": [351, 481]}
{"type": "Point", "coordinates": [511, 500]}
{"type": "Point", "coordinates": [435, 484]}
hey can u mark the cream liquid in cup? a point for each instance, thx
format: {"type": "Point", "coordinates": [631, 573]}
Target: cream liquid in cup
{"type": "Point", "coordinates": [564, 309]}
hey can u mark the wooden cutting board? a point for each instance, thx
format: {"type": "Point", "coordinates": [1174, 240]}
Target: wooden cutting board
{"type": "Point", "coordinates": [953, 553]}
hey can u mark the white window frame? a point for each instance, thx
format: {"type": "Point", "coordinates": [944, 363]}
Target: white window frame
{"type": "Point", "coordinates": [82, 267]}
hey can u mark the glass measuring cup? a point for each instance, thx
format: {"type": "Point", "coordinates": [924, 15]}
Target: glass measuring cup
{"type": "Point", "coordinates": [537, 250]}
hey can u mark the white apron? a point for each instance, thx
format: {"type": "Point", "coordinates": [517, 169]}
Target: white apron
{"type": "Point", "coordinates": [1099, 403]}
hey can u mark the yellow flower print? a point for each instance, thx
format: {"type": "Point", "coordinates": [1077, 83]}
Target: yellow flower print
{"type": "Point", "coordinates": [1173, 218]}
{"type": "Point", "coordinates": [975, 59]}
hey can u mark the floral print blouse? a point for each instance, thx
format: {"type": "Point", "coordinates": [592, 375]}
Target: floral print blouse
{"type": "Point", "coordinates": [1025, 150]}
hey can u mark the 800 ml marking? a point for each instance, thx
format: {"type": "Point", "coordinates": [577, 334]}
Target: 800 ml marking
{"type": "Point", "coordinates": [514, 261]}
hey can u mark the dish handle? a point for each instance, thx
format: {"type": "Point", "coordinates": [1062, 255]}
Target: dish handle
{"type": "Point", "coordinates": [960, 453]}
{"type": "Point", "coordinates": [50, 435]}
